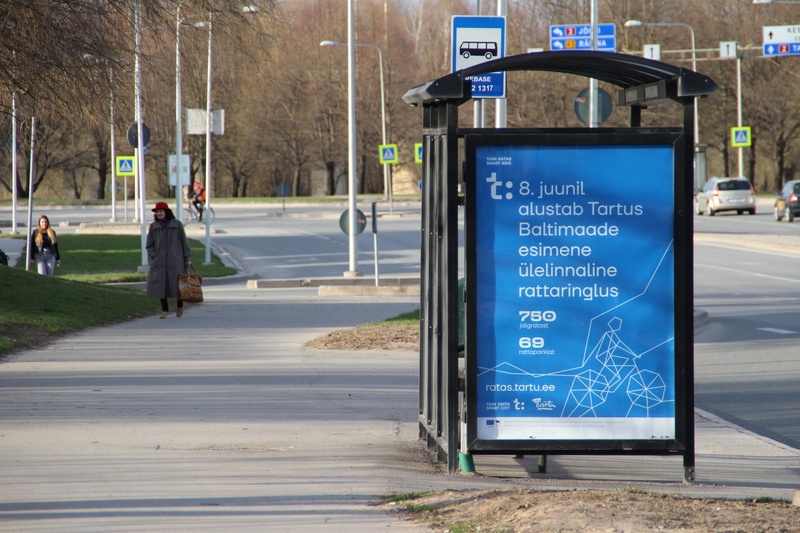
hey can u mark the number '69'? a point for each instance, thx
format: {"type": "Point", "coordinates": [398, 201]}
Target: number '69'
{"type": "Point", "coordinates": [531, 342]}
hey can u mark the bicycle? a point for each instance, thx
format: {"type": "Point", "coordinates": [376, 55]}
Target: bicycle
{"type": "Point", "coordinates": [192, 214]}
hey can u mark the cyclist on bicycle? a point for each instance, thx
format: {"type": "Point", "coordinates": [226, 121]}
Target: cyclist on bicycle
{"type": "Point", "coordinates": [198, 195]}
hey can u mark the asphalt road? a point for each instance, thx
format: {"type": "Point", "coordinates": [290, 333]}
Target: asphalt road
{"type": "Point", "coordinates": [747, 357]}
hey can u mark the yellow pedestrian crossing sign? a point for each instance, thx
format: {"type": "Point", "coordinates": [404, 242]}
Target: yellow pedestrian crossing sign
{"type": "Point", "coordinates": [418, 153]}
{"type": "Point", "coordinates": [741, 136]}
{"type": "Point", "coordinates": [388, 154]}
{"type": "Point", "coordinates": [126, 165]}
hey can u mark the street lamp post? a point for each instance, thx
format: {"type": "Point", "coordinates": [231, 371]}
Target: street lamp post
{"type": "Point", "coordinates": [207, 207]}
{"type": "Point", "coordinates": [140, 174]}
{"type": "Point", "coordinates": [14, 191]}
{"type": "Point", "coordinates": [208, 148]}
{"type": "Point", "coordinates": [112, 142]}
{"type": "Point", "coordinates": [178, 113]}
{"type": "Point", "coordinates": [637, 23]}
{"type": "Point", "coordinates": [387, 180]}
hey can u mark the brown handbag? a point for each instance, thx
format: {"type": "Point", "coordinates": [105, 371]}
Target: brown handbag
{"type": "Point", "coordinates": [190, 286]}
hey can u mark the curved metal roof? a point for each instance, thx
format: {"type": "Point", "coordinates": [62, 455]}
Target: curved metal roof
{"type": "Point", "coordinates": [622, 70]}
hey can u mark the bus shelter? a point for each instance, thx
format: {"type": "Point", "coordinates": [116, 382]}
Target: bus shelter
{"type": "Point", "coordinates": [577, 330]}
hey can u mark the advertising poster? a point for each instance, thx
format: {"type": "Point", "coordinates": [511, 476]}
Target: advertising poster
{"type": "Point", "coordinates": [574, 273]}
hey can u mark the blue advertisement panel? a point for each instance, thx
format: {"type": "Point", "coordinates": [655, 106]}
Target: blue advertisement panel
{"type": "Point", "coordinates": [572, 260]}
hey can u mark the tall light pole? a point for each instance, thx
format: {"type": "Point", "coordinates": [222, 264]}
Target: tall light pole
{"type": "Point", "coordinates": [14, 191]}
{"type": "Point", "coordinates": [637, 23]}
{"type": "Point", "coordinates": [245, 9]}
{"type": "Point", "coordinates": [178, 113]}
{"type": "Point", "coordinates": [207, 259]}
{"type": "Point", "coordinates": [140, 174]}
{"type": "Point", "coordinates": [387, 180]}
{"type": "Point", "coordinates": [351, 141]}
{"type": "Point", "coordinates": [113, 150]}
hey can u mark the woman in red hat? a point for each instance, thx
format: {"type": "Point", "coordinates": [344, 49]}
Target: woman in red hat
{"type": "Point", "coordinates": [169, 253]}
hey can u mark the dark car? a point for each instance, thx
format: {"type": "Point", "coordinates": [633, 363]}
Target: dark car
{"type": "Point", "coordinates": [788, 202]}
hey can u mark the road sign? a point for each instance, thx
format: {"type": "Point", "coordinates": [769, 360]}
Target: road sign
{"type": "Point", "coordinates": [115, 187]}
{"type": "Point", "coordinates": [604, 108]}
{"type": "Point", "coordinates": [781, 40]}
{"type": "Point", "coordinates": [728, 49]}
{"type": "Point", "coordinates": [361, 221]}
{"type": "Point", "coordinates": [741, 137]}
{"type": "Point", "coordinates": [476, 40]}
{"type": "Point", "coordinates": [133, 135]}
{"type": "Point", "coordinates": [388, 154]}
{"type": "Point", "coordinates": [579, 37]}
{"type": "Point", "coordinates": [418, 153]}
{"type": "Point", "coordinates": [126, 165]}
{"type": "Point", "coordinates": [652, 51]}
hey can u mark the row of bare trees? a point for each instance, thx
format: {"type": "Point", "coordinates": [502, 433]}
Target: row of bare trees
{"type": "Point", "coordinates": [285, 97]}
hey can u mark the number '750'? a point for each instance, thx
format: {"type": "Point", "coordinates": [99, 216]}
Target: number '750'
{"type": "Point", "coordinates": [537, 316]}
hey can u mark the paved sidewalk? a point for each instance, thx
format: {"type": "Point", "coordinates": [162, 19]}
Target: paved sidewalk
{"type": "Point", "coordinates": [223, 420]}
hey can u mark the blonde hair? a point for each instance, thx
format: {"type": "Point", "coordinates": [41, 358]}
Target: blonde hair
{"type": "Point", "coordinates": [50, 233]}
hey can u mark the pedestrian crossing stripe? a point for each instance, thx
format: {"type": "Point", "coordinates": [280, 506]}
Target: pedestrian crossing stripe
{"type": "Point", "coordinates": [388, 154]}
{"type": "Point", "coordinates": [126, 165]}
{"type": "Point", "coordinates": [741, 137]}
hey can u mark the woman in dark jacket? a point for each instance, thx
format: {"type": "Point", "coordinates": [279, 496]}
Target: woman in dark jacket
{"type": "Point", "coordinates": [169, 253]}
{"type": "Point", "coordinates": [44, 248]}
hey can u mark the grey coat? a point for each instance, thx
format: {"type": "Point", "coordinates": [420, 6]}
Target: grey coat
{"type": "Point", "coordinates": [168, 250]}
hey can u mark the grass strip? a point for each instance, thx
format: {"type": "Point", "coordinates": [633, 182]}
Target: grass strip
{"type": "Point", "coordinates": [36, 309]}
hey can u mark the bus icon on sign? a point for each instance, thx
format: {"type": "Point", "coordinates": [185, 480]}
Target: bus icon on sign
{"type": "Point", "coordinates": [477, 48]}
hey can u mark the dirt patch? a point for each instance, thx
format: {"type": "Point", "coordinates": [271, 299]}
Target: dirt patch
{"type": "Point", "coordinates": [585, 511]}
{"type": "Point", "coordinates": [377, 337]}
{"type": "Point", "coordinates": [595, 511]}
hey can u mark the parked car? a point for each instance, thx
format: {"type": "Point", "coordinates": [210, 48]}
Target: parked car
{"type": "Point", "coordinates": [726, 194]}
{"type": "Point", "coordinates": [788, 202]}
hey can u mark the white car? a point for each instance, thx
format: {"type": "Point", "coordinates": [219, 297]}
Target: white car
{"type": "Point", "coordinates": [725, 194]}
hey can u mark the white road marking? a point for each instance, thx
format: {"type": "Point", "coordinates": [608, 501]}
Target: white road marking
{"type": "Point", "coordinates": [781, 331]}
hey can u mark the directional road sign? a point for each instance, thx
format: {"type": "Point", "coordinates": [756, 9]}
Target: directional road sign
{"type": "Point", "coordinates": [741, 137]}
{"type": "Point", "coordinates": [475, 40]}
{"type": "Point", "coordinates": [579, 37]}
{"type": "Point", "coordinates": [781, 40]}
{"type": "Point", "coordinates": [126, 165]}
{"type": "Point", "coordinates": [388, 154]}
